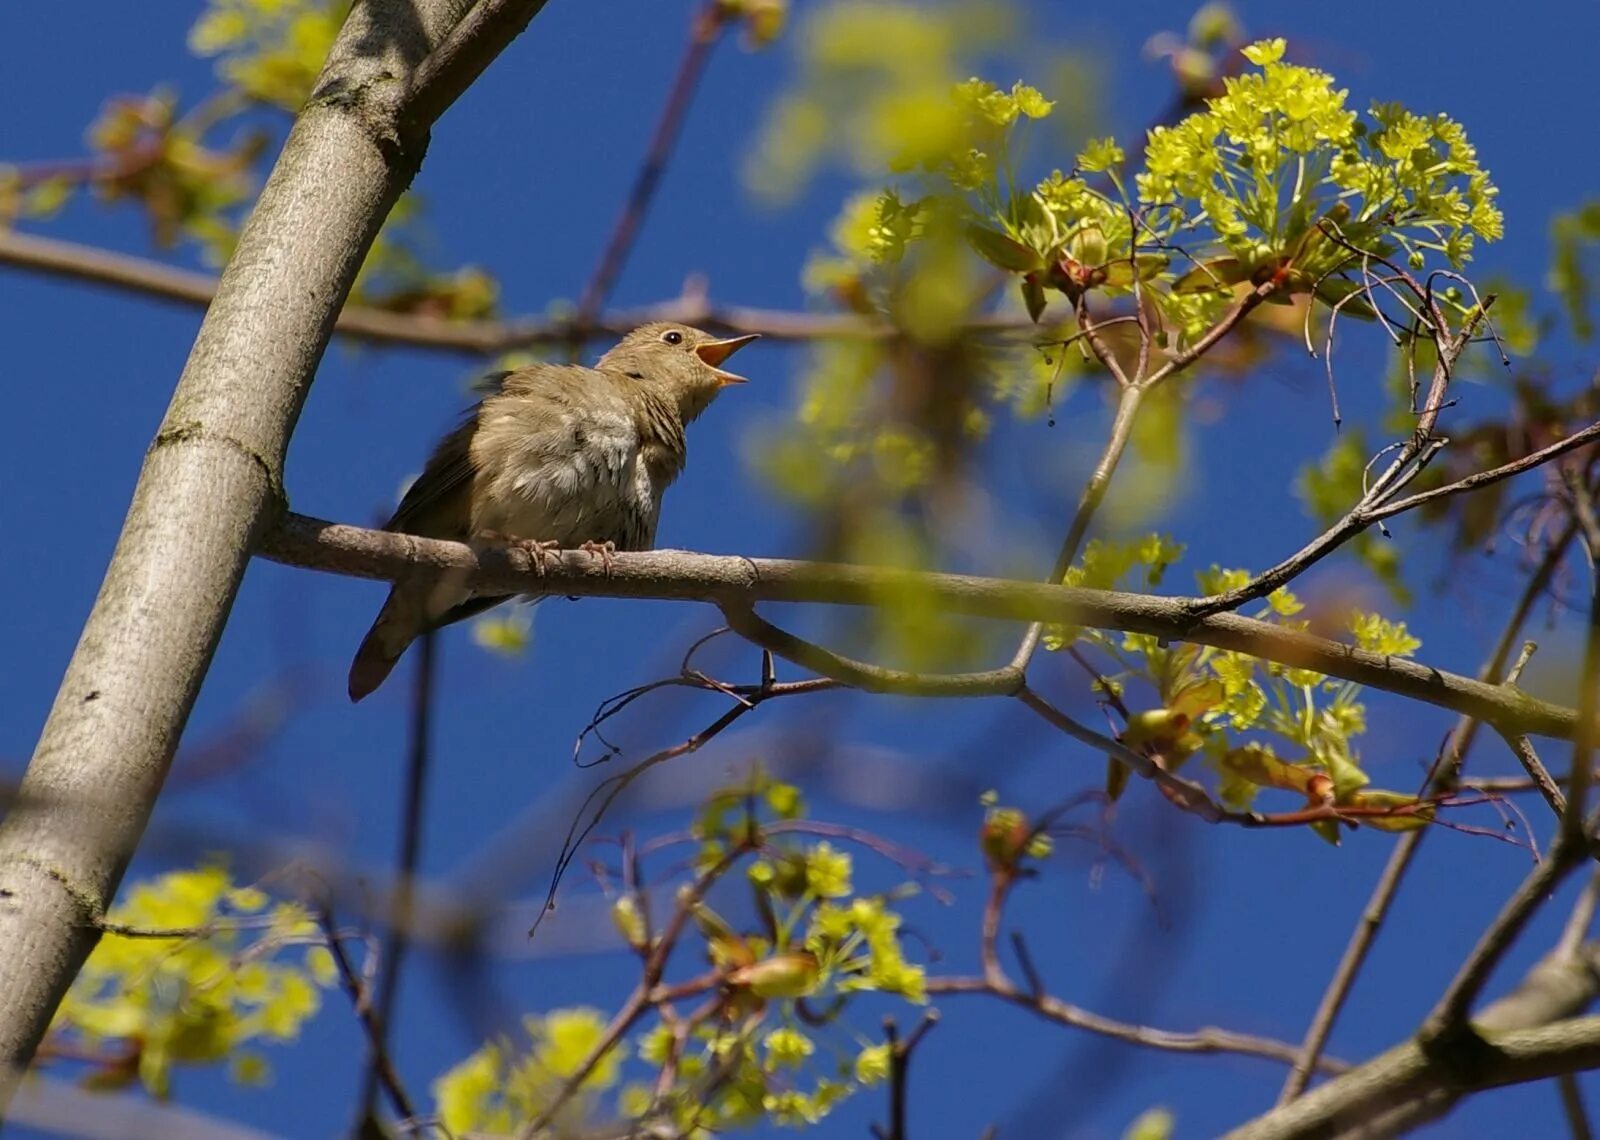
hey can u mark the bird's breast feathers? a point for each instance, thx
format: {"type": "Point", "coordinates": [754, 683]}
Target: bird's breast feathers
{"type": "Point", "coordinates": [573, 475]}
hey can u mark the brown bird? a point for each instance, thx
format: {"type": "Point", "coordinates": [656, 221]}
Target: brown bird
{"type": "Point", "coordinates": [559, 457]}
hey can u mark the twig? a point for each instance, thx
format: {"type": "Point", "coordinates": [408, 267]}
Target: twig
{"type": "Point", "coordinates": [1094, 492]}
{"type": "Point", "coordinates": [1205, 1040]}
{"type": "Point", "coordinates": [705, 28]}
{"type": "Point", "coordinates": [1572, 1106]}
{"type": "Point", "coordinates": [382, 1062]}
{"type": "Point", "coordinates": [1483, 479]}
{"type": "Point", "coordinates": [471, 46]}
{"type": "Point", "coordinates": [647, 994]}
{"type": "Point", "coordinates": [397, 938]}
{"type": "Point", "coordinates": [1583, 743]}
{"type": "Point", "coordinates": [1350, 963]}
{"type": "Point", "coordinates": [900, 1050]}
{"type": "Point", "coordinates": [1414, 455]}
{"type": "Point", "coordinates": [744, 621]}
{"type": "Point", "coordinates": [1540, 777]}
{"type": "Point", "coordinates": [1185, 793]}
{"type": "Point", "coordinates": [476, 338]}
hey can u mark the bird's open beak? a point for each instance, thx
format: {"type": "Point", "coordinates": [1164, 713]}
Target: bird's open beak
{"type": "Point", "coordinates": [714, 352]}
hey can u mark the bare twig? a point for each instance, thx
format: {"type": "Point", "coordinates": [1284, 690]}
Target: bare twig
{"type": "Point", "coordinates": [476, 338]}
{"type": "Point", "coordinates": [705, 27]}
{"type": "Point", "coordinates": [382, 1063]}
{"type": "Point", "coordinates": [900, 1050]}
{"type": "Point", "coordinates": [1413, 456]}
{"type": "Point", "coordinates": [407, 859]}
{"type": "Point", "coordinates": [1206, 1040]}
{"type": "Point", "coordinates": [1583, 744]}
{"type": "Point", "coordinates": [1350, 963]}
{"type": "Point", "coordinates": [1538, 775]}
{"type": "Point", "coordinates": [1572, 1106]}
{"type": "Point", "coordinates": [1094, 492]}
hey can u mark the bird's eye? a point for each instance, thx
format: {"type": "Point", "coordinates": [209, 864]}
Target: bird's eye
{"type": "Point", "coordinates": [672, 336]}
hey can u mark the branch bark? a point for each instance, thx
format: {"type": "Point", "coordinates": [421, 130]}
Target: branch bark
{"type": "Point", "coordinates": [736, 582]}
{"type": "Point", "coordinates": [474, 338]}
{"type": "Point", "coordinates": [1529, 1034]}
{"type": "Point", "coordinates": [211, 485]}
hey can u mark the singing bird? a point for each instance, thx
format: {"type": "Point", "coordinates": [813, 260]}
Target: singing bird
{"type": "Point", "coordinates": [560, 457]}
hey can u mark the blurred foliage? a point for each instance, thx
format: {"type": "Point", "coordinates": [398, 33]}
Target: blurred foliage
{"type": "Point", "coordinates": [1573, 236]}
{"type": "Point", "coordinates": [269, 50]}
{"type": "Point", "coordinates": [1152, 1124]}
{"type": "Point", "coordinates": [146, 153]}
{"type": "Point", "coordinates": [1259, 724]}
{"type": "Point", "coordinates": [232, 971]}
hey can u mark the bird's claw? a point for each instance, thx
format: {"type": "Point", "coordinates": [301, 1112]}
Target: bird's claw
{"type": "Point", "coordinates": [540, 549]}
{"type": "Point", "coordinates": [603, 551]}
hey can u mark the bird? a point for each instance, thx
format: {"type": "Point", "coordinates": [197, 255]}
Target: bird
{"type": "Point", "coordinates": [556, 457]}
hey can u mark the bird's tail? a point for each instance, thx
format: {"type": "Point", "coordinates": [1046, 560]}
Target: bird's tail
{"type": "Point", "coordinates": [381, 648]}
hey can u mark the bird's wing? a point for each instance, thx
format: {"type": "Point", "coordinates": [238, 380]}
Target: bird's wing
{"type": "Point", "coordinates": [437, 504]}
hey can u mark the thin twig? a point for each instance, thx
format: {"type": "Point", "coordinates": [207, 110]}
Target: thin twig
{"type": "Point", "coordinates": [1583, 743]}
{"type": "Point", "coordinates": [1094, 492]}
{"type": "Point", "coordinates": [382, 1062]}
{"type": "Point", "coordinates": [476, 338]}
{"type": "Point", "coordinates": [705, 28]}
{"type": "Point", "coordinates": [397, 938]}
{"type": "Point", "coordinates": [1572, 1105]}
{"type": "Point", "coordinates": [1205, 1040]}
{"type": "Point", "coordinates": [1538, 774]}
{"type": "Point", "coordinates": [1350, 963]}
{"type": "Point", "coordinates": [900, 1050]}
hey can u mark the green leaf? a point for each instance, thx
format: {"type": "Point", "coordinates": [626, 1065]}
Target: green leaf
{"type": "Point", "coordinates": [1002, 251]}
{"type": "Point", "coordinates": [1377, 797]}
{"type": "Point", "coordinates": [1033, 297]}
{"type": "Point", "coordinates": [1215, 276]}
{"type": "Point", "coordinates": [1120, 274]}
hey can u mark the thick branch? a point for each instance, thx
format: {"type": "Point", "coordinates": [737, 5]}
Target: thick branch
{"type": "Point", "coordinates": [1531, 1033]}
{"type": "Point", "coordinates": [742, 582]}
{"type": "Point", "coordinates": [211, 483]}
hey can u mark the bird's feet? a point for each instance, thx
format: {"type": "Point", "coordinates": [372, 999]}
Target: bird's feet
{"type": "Point", "coordinates": [540, 549]}
{"type": "Point", "coordinates": [603, 551]}
{"type": "Point", "coordinates": [537, 549]}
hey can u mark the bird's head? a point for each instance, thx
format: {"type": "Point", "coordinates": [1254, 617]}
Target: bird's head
{"type": "Point", "coordinates": [683, 361]}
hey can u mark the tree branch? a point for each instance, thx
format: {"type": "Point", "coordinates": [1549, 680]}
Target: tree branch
{"type": "Point", "coordinates": [740, 581]}
{"type": "Point", "coordinates": [210, 485]}
{"type": "Point", "coordinates": [706, 26]}
{"type": "Point", "coordinates": [402, 918]}
{"type": "Point", "coordinates": [1443, 778]}
{"type": "Point", "coordinates": [476, 338]}
{"type": "Point", "coordinates": [1530, 1034]}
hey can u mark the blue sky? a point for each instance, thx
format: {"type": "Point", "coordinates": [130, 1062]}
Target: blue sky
{"type": "Point", "coordinates": [524, 177]}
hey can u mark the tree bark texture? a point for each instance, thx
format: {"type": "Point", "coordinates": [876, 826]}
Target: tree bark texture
{"type": "Point", "coordinates": [211, 483]}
